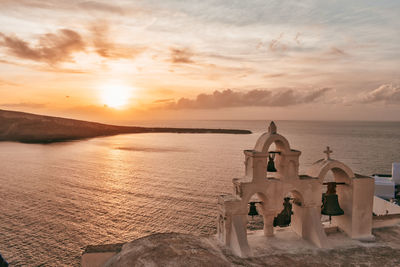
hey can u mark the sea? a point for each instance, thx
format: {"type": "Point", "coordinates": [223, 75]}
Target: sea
{"type": "Point", "coordinates": [55, 199]}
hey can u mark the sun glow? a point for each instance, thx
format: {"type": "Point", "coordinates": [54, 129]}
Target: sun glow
{"type": "Point", "coordinates": [115, 95]}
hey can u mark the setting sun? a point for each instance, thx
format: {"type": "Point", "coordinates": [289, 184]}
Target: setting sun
{"type": "Point", "coordinates": [115, 95]}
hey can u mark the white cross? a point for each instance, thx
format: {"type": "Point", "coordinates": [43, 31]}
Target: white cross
{"type": "Point", "coordinates": [328, 151]}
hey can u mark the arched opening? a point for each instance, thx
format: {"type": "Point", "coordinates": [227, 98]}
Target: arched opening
{"type": "Point", "coordinates": [329, 178]}
{"type": "Point", "coordinates": [281, 143]}
{"type": "Point", "coordinates": [340, 175]}
{"type": "Point", "coordinates": [274, 158]}
{"type": "Point", "coordinates": [338, 171]}
{"type": "Point", "coordinates": [290, 213]}
{"type": "Point", "coordinates": [255, 220]}
{"type": "Point", "coordinates": [335, 199]}
{"type": "Point", "coordinates": [260, 228]}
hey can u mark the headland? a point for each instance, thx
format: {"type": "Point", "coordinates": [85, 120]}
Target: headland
{"type": "Point", "coordinates": [31, 128]}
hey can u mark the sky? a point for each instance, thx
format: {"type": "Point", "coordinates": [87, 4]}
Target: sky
{"type": "Point", "coordinates": [144, 60]}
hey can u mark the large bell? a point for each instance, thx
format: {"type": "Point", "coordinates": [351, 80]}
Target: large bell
{"type": "Point", "coordinates": [271, 164]}
{"type": "Point", "coordinates": [285, 217]}
{"type": "Point", "coordinates": [253, 210]}
{"type": "Point", "coordinates": [330, 203]}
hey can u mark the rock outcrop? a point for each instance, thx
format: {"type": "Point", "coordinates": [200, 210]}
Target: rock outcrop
{"type": "Point", "coordinates": [169, 250]}
{"type": "Point", "coordinates": [173, 249]}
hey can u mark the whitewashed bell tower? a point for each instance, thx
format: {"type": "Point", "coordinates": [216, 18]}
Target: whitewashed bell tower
{"type": "Point", "coordinates": [272, 188]}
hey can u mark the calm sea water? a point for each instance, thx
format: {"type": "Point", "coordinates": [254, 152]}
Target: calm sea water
{"type": "Point", "coordinates": [56, 199]}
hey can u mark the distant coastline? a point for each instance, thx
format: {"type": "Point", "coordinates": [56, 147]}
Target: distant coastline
{"type": "Point", "coordinates": [31, 128]}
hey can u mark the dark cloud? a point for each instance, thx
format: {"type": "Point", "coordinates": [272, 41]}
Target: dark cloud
{"type": "Point", "coordinates": [181, 55]}
{"type": "Point", "coordinates": [387, 93]}
{"type": "Point", "coordinates": [51, 48]}
{"type": "Point", "coordinates": [24, 105]}
{"type": "Point", "coordinates": [261, 98]}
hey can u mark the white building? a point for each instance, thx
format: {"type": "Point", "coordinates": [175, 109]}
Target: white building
{"type": "Point", "coordinates": [385, 184]}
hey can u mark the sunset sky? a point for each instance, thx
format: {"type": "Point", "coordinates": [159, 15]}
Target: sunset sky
{"type": "Point", "coordinates": [133, 60]}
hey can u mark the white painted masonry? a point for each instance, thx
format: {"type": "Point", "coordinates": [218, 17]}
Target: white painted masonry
{"type": "Point", "coordinates": [355, 196]}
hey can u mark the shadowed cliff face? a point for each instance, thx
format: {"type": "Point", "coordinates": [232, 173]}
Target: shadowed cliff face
{"type": "Point", "coordinates": [31, 128]}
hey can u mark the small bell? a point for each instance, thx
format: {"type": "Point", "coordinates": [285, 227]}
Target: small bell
{"type": "Point", "coordinates": [271, 164]}
{"type": "Point", "coordinates": [253, 210]}
{"type": "Point", "coordinates": [284, 218]}
{"type": "Point", "coordinates": [330, 202]}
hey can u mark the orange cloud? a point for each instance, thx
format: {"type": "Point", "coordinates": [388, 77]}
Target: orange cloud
{"type": "Point", "coordinates": [109, 49]}
{"type": "Point", "coordinates": [181, 55]}
{"type": "Point", "coordinates": [51, 48]}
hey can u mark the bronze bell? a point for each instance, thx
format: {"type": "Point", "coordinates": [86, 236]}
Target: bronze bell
{"type": "Point", "coordinates": [330, 203]}
{"type": "Point", "coordinates": [253, 210]}
{"type": "Point", "coordinates": [271, 164]}
{"type": "Point", "coordinates": [284, 218]}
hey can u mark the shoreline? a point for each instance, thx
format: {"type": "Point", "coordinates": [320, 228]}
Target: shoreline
{"type": "Point", "coordinates": [39, 129]}
{"type": "Point", "coordinates": [144, 131]}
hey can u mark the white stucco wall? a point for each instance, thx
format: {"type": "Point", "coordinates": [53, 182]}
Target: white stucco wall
{"type": "Point", "coordinates": [383, 207]}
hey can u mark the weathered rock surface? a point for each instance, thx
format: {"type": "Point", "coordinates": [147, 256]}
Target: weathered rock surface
{"type": "Point", "coordinates": [186, 250]}
{"type": "Point", "coordinates": [169, 250]}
